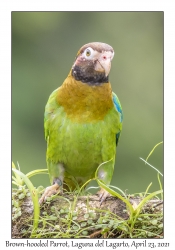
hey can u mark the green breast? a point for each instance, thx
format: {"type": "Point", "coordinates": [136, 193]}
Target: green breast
{"type": "Point", "coordinates": [81, 147]}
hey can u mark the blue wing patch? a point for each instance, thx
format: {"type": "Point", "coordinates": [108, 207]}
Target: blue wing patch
{"type": "Point", "coordinates": [118, 106]}
{"type": "Point", "coordinates": [119, 109]}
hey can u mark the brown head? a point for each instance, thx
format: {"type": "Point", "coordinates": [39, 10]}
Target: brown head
{"type": "Point", "coordinates": [93, 63]}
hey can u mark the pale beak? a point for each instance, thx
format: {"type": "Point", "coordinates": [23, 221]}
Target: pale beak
{"type": "Point", "coordinates": [103, 64]}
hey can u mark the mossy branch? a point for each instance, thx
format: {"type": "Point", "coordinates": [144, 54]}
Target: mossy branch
{"type": "Point", "coordinates": [62, 218]}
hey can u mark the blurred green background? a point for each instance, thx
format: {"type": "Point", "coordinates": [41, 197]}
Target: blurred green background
{"type": "Point", "coordinates": [44, 45]}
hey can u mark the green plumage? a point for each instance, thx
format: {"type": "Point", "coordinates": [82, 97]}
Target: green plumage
{"type": "Point", "coordinates": [80, 147]}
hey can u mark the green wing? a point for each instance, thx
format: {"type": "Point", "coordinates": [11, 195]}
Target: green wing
{"type": "Point", "coordinates": [50, 109]}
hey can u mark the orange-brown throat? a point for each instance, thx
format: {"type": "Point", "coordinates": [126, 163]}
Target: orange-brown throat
{"type": "Point", "coordinates": [84, 103]}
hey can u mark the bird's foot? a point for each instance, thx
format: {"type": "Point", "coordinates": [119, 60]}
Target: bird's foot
{"type": "Point", "coordinates": [103, 194]}
{"type": "Point", "coordinates": [54, 189]}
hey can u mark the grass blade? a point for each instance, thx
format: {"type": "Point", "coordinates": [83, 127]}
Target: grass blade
{"type": "Point", "coordinates": [153, 149]}
{"type": "Point", "coordinates": [151, 166]}
{"type": "Point", "coordinates": [37, 171]}
{"type": "Point", "coordinates": [34, 196]}
{"type": "Point", "coordinates": [160, 184]}
{"type": "Point", "coordinates": [147, 198]}
{"type": "Point", "coordinates": [112, 192]}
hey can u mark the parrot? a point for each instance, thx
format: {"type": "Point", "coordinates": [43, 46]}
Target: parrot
{"type": "Point", "coordinates": [83, 123]}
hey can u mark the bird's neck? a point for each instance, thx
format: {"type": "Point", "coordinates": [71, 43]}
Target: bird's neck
{"type": "Point", "coordinates": [91, 79]}
{"type": "Point", "coordinates": [84, 103]}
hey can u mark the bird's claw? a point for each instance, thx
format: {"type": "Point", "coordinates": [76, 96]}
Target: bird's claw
{"type": "Point", "coordinates": [103, 194]}
{"type": "Point", "coordinates": [54, 189]}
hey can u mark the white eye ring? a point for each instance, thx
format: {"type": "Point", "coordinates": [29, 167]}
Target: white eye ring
{"type": "Point", "coordinates": [88, 53]}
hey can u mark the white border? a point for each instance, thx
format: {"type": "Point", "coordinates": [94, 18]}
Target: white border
{"type": "Point", "coordinates": [5, 94]}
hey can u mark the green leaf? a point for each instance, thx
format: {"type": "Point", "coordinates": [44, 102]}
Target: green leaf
{"type": "Point", "coordinates": [83, 224]}
{"type": "Point", "coordinates": [75, 227]}
{"type": "Point", "coordinates": [86, 216]}
{"type": "Point", "coordinates": [18, 179]}
{"type": "Point", "coordinates": [21, 196]}
{"type": "Point", "coordinates": [90, 221]}
{"type": "Point", "coordinates": [52, 217]}
{"type": "Point", "coordinates": [16, 203]}
{"type": "Point", "coordinates": [52, 208]}
{"type": "Point", "coordinates": [85, 232]}
{"type": "Point", "coordinates": [153, 222]}
{"type": "Point", "coordinates": [18, 214]}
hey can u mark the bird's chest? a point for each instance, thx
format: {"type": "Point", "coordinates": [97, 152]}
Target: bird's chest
{"type": "Point", "coordinates": [83, 128]}
{"type": "Point", "coordinates": [83, 103]}
{"type": "Point", "coordinates": [82, 144]}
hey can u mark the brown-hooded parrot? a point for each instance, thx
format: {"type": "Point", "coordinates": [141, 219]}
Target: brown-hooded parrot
{"type": "Point", "coordinates": [83, 122]}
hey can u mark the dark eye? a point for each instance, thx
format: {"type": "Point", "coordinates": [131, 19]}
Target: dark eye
{"type": "Point", "coordinates": [88, 52]}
